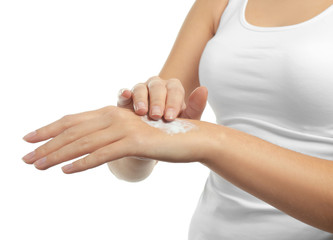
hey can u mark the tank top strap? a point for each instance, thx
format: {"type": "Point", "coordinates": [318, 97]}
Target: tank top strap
{"type": "Point", "coordinates": [231, 13]}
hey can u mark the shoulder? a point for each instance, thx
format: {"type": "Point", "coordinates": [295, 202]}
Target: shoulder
{"type": "Point", "coordinates": [209, 12]}
{"type": "Point", "coordinates": [215, 8]}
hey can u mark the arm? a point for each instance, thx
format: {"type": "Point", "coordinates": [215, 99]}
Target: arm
{"type": "Point", "coordinates": [182, 63]}
{"type": "Point", "coordinates": [198, 28]}
{"type": "Point", "coordinates": [297, 184]}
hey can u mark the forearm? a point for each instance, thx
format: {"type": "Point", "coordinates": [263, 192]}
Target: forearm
{"type": "Point", "coordinates": [131, 169]}
{"type": "Point", "coordinates": [297, 184]}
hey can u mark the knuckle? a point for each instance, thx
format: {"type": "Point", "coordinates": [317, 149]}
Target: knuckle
{"type": "Point", "coordinates": [159, 102]}
{"type": "Point", "coordinates": [139, 87]}
{"type": "Point", "coordinates": [175, 86]}
{"type": "Point", "coordinates": [108, 109]}
{"type": "Point", "coordinates": [176, 89]}
{"type": "Point", "coordinates": [101, 156]}
{"type": "Point", "coordinates": [153, 78]}
{"type": "Point", "coordinates": [109, 112]}
{"type": "Point", "coordinates": [55, 157]}
{"type": "Point", "coordinates": [175, 81]}
{"type": "Point", "coordinates": [67, 120]}
{"type": "Point", "coordinates": [42, 151]}
{"type": "Point", "coordinates": [84, 162]}
{"type": "Point", "coordinates": [84, 143]}
{"type": "Point", "coordinates": [69, 134]}
{"type": "Point", "coordinates": [156, 84]}
{"type": "Point", "coordinates": [140, 93]}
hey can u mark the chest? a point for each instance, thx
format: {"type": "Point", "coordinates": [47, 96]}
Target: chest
{"type": "Point", "coordinates": [284, 77]}
{"type": "Point", "coordinates": [276, 13]}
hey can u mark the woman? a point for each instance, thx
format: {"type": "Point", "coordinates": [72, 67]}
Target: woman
{"type": "Point", "coordinates": [268, 68]}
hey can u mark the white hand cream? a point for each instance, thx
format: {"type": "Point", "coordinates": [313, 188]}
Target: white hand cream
{"type": "Point", "coordinates": [171, 128]}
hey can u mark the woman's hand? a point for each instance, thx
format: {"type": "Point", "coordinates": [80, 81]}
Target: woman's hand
{"type": "Point", "coordinates": [111, 133]}
{"type": "Point", "coordinates": [163, 98]}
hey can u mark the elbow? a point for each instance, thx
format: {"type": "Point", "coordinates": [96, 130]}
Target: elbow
{"type": "Point", "coordinates": [131, 170]}
{"type": "Point", "coordinates": [130, 177]}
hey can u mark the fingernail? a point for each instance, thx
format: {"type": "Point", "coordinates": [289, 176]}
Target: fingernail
{"type": "Point", "coordinates": [170, 113]}
{"type": "Point", "coordinates": [156, 111]}
{"type": "Point", "coordinates": [29, 156]}
{"type": "Point", "coordinates": [67, 168]}
{"type": "Point", "coordinates": [40, 162]}
{"type": "Point", "coordinates": [29, 136]}
{"type": "Point", "coordinates": [121, 92]}
{"type": "Point", "coordinates": [140, 105]}
{"type": "Point", "coordinates": [123, 101]}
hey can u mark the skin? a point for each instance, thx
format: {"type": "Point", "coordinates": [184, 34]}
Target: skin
{"type": "Point", "coordinates": [132, 169]}
{"type": "Point", "coordinates": [272, 13]}
{"type": "Point", "coordinates": [281, 177]}
{"type": "Point", "coordinates": [161, 96]}
{"type": "Point", "coordinates": [165, 96]}
{"type": "Point", "coordinates": [286, 179]}
{"type": "Point", "coordinates": [182, 64]}
{"type": "Point", "coordinates": [102, 135]}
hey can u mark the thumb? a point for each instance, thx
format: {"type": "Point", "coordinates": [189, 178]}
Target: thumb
{"type": "Point", "coordinates": [196, 104]}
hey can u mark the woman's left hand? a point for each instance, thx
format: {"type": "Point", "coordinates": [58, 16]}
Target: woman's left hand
{"type": "Point", "coordinates": [111, 133]}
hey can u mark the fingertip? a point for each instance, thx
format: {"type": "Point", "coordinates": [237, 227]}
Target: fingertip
{"type": "Point", "coordinates": [68, 168]}
{"type": "Point", "coordinates": [156, 112]}
{"type": "Point", "coordinates": [141, 112]}
{"type": "Point", "coordinates": [126, 93]}
{"type": "Point", "coordinates": [124, 97]}
{"type": "Point", "coordinates": [140, 108]}
{"type": "Point", "coordinates": [155, 117]}
{"type": "Point", "coordinates": [122, 101]}
{"type": "Point", "coordinates": [169, 120]}
{"type": "Point", "coordinates": [30, 136]}
{"type": "Point", "coordinates": [170, 114]}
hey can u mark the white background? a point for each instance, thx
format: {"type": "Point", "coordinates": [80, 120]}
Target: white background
{"type": "Point", "coordinates": [69, 56]}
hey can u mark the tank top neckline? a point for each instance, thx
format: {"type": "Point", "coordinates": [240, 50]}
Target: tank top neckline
{"type": "Point", "coordinates": [249, 26]}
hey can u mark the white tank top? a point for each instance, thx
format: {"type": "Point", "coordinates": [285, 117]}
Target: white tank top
{"type": "Point", "coordinates": [275, 83]}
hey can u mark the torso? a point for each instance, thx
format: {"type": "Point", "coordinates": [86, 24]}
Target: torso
{"type": "Point", "coordinates": [276, 13]}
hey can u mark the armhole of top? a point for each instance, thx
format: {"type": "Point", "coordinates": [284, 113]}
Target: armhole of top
{"type": "Point", "coordinates": [218, 14]}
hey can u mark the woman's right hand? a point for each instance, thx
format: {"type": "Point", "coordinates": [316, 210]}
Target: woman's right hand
{"type": "Point", "coordinates": [163, 98]}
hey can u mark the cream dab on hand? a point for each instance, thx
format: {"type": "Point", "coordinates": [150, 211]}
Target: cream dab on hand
{"type": "Point", "coordinates": [171, 128]}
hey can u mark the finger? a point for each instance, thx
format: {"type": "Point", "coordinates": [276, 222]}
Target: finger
{"type": "Point", "coordinates": [125, 99]}
{"type": "Point", "coordinates": [183, 106]}
{"type": "Point", "coordinates": [196, 103]}
{"type": "Point", "coordinates": [67, 136]}
{"type": "Point", "coordinates": [175, 99]}
{"type": "Point", "coordinates": [103, 155]}
{"type": "Point", "coordinates": [56, 127]}
{"type": "Point", "coordinates": [82, 146]}
{"type": "Point", "coordinates": [157, 95]}
{"type": "Point", "coordinates": [140, 98]}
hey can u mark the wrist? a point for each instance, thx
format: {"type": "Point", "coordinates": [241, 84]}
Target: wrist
{"type": "Point", "coordinates": [212, 144]}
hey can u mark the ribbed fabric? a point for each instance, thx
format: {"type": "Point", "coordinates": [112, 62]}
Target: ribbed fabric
{"type": "Point", "coordinates": [275, 83]}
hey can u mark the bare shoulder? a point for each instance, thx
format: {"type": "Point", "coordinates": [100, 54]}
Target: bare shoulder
{"type": "Point", "coordinates": [217, 8]}
{"type": "Point", "coordinates": [197, 29]}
